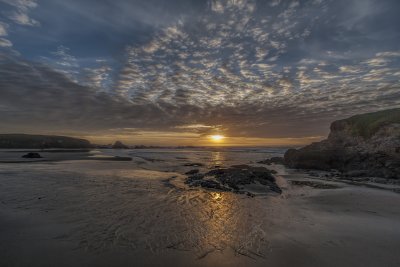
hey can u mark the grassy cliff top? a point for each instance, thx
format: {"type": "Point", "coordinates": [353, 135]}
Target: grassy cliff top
{"type": "Point", "coordinates": [368, 124]}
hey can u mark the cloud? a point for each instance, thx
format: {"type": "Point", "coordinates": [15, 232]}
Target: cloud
{"type": "Point", "coordinates": [21, 4]}
{"type": "Point", "coordinates": [231, 41]}
{"type": "Point", "coordinates": [21, 14]}
{"type": "Point", "coordinates": [377, 62]}
{"type": "Point", "coordinates": [63, 62]}
{"type": "Point", "coordinates": [65, 59]}
{"type": "Point", "coordinates": [350, 69]}
{"type": "Point", "coordinates": [388, 54]}
{"type": "Point", "coordinates": [99, 77]}
{"type": "Point", "coordinates": [57, 103]}
{"type": "Point", "coordinates": [275, 3]}
{"type": "Point", "coordinates": [23, 19]}
{"type": "Point", "coordinates": [5, 43]}
{"type": "Point", "coordinates": [3, 29]}
{"type": "Point", "coordinates": [54, 100]}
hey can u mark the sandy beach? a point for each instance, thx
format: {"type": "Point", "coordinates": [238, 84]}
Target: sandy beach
{"type": "Point", "coordinates": [80, 212]}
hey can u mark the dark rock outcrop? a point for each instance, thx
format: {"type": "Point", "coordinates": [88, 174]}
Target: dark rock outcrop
{"type": "Point", "coordinates": [41, 141]}
{"type": "Point", "coordinates": [235, 178]}
{"type": "Point", "coordinates": [366, 145]}
{"type": "Point", "coordinates": [119, 145]}
{"type": "Point", "coordinates": [32, 155]}
{"type": "Point", "coordinates": [273, 160]}
{"type": "Point", "coordinates": [191, 172]}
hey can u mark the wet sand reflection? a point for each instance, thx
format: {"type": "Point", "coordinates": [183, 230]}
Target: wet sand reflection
{"type": "Point", "coordinates": [217, 158]}
{"type": "Point", "coordinates": [223, 221]}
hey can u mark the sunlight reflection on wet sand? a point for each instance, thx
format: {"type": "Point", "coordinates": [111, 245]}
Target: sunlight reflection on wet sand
{"type": "Point", "coordinates": [217, 158]}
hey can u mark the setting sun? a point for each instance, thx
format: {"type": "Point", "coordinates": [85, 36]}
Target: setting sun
{"type": "Point", "coordinates": [217, 137]}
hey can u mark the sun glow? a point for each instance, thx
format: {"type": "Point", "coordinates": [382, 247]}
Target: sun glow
{"type": "Point", "coordinates": [217, 137]}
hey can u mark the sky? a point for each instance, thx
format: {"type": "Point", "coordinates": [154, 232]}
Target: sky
{"type": "Point", "coordinates": [174, 72]}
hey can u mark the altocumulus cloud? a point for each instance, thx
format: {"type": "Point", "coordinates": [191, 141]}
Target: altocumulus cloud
{"type": "Point", "coordinates": [244, 67]}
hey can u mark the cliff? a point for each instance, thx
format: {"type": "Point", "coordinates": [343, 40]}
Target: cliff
{"type": "Point", "coordinates": [41, 141]}
{"type": "Point", "coordinates": [362, 145]}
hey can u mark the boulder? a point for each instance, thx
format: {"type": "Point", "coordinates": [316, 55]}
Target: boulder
{"type": "Point", "coordinates": [234, 178]}
{"type": "Point", "coordinates": [32, 155]}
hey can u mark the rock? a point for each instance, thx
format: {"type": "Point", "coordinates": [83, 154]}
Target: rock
{"type": "Point", "coordinates": [32, 155]}
{"type": "Point", "coordinates": [363, 145]}
{"type": "Point", "coordinates": [192, 172]}
{"type": "Point", "coordinates": [119, 145]}
{"type": "Point", "coordinates": [194, 177]}
{"type": "Point", "coordinates": [273, 160]}
{"type": "Point", "coordinates": [314, 184]}
{"type": "Point", "coordinates": [250, 194]}
{"type": "Point", "coordinates": [356, 173]}
{"type": "Point", "coordinates": [314, 174]}
{"type": "Point", "coordinates": [234, 178]}
{"type": "Point", "coordinates": [210, 184]}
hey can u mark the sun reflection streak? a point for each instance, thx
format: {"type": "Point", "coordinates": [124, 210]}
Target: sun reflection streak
{"type": "Point", "coordinates": [217, 158]}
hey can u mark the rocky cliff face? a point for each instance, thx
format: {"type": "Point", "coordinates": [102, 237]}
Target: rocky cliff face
{"type": "Point", "coordinates": [363, 145]}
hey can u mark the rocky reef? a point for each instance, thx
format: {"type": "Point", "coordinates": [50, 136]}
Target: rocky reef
{"type": "Point", "coordinates": [362, 145]}
{"type": "Point", "coordinates": [234, 179]}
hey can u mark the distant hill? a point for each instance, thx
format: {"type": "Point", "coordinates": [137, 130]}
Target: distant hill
{"type": "Point", "coordinates": [41, 141]}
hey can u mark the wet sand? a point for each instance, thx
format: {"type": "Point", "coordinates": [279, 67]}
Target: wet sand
{"type": "Point", "coordinates": [89, 213]}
